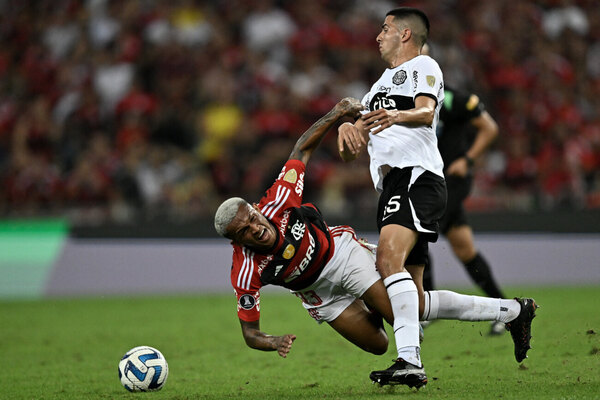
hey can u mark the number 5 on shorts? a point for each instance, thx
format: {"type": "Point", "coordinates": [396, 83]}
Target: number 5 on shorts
{"type": "Point", "coordinates": [393, 205]}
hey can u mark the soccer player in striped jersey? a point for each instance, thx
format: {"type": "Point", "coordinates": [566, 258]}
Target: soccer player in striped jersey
{"type": "Point", "coordinates": [282, 241]}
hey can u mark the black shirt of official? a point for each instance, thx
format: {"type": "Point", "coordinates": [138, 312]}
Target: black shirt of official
{"type": "Point", "coordinates": [455, 133]}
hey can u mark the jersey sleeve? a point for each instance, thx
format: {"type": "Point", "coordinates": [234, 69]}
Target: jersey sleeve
{"type": "Point", "coordinates": [287, 191]}
{"type": "Point", "coordinates": [246, 285]}
{"type": "Point", "coordinates": [467, 106]}
{"type": "Point", "coordinates": [427, 79]}
{"type": "Point", "coordinates": [366, 103]}
{"type": "Point", "coordinates": [248, 305]}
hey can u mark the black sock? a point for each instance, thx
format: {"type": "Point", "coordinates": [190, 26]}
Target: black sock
{"type": "Point", "coordinates": [479, 270]}
{"type": "Point", "coordinates": [428, 275]}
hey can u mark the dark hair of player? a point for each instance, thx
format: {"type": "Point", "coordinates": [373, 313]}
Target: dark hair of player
{"type": "Point", "coordinates": [416, 18]}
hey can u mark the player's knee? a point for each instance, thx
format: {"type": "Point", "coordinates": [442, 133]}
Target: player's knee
{"type": "Point", "coordinates": [388, 264]}
{"type": "Point", "coordinates": [465, 253]}
{"type": "Point", "coordinates": [378, 345]}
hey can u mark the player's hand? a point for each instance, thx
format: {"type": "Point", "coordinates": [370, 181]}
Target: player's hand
{"type": "Point", "coordinates": [284, 344]}
{"type": "Point", "coordinates": [458, 167]}
{"type": "Point", "coordinates": [350, 141]}
{"type": "Point", "coordinates": [378, 120]}
{"type": "Point", "coordinates": [350, 107]}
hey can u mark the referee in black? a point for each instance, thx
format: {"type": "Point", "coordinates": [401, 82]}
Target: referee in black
{"type": "Point", "coordinates": [464, 133]}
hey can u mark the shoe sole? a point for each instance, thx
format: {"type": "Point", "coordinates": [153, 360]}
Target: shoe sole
{"type": "Point", "coordinates": [523, 354]}
{"type": "Point", "coordinates": [410, 380]}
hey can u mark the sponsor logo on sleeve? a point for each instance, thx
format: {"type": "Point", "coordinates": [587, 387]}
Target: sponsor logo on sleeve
{"type": "Point", "coordinates": [430, 80]}
{"type": "Point", "coordinates": [247, 302]}
{"type": "Point", "coordinates": [291, 176]}
{"type": "Point", "coordinates": [300, 185]}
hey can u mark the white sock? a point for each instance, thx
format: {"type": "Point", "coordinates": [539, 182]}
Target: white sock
{"type": "Point", "coordinates": [444, 304]}
{"type": "Point", "coordinates": [403, 295]}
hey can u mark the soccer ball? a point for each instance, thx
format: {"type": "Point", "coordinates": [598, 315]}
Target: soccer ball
{"type": "Point", "coordinates": [143, 369]}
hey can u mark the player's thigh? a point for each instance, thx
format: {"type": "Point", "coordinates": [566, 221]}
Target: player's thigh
{"type": "Point", "coordinates": [362, 328]}
{"type": "Point", "coordinates": [395, 244]}
{"type": "Point", "coordinates": [377, 298]}
{"type": "Point", "coordinates": [461, 240]}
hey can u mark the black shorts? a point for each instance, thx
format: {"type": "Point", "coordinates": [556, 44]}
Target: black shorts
{"type": "Point", "coordinates": [418, 206]}
{"type": "Point", "coordinates": [458, 190]}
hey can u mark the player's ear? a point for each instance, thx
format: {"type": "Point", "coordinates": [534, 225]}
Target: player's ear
{"type": "Point", "coordinates": [255, 206]}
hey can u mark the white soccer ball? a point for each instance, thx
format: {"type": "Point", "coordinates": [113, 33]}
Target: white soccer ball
{"type": "Point", "coordinates": [143, 369]}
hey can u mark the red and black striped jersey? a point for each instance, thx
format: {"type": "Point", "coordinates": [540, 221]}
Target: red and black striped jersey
{"type": "Point", "coordinates": [303, 246]}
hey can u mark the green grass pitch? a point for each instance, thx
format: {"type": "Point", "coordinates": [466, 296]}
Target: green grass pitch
{"type": "Point", "coordinates": [69, 349]}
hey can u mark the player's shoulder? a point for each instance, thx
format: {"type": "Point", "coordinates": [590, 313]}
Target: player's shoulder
{"type": "Point", "coordinates": [241, 253]}
{"type": "Point", "coordinates": [245, 268]}
{"type": "Point", "coordinates": [286, 190]}
{"type": "Point", "coordinates": [244, 255]}
{"type": "Point", "coordinates": [424, 61]}
{"type": "Point", "coordinates": [462, 100]}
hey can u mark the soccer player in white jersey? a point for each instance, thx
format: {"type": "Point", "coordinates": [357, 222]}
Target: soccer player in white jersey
{"type": "Point", "coordinates": [282, 241]}
{"type": "Point", "coordinates": [399, 124]}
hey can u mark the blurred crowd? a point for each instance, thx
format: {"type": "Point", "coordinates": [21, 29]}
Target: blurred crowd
{"type": "Point", "coordinates": [113, 110]}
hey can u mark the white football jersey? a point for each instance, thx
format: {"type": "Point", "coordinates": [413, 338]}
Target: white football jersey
{"type": "Point", "coordinates": [402, 145]}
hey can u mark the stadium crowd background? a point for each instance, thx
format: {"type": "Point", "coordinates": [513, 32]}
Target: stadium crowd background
{"type": "Point", "coordinates": [125, 109]}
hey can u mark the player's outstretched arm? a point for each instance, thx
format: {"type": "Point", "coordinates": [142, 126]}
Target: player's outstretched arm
{"type": "Point", "coordinates": [308, 142]}
{"type": "Point", "coordinates": [352, 138]}
{"type": "Point", "coordinates": [422, 114]}
{"type": "Point", "coordinates": [261, 341]}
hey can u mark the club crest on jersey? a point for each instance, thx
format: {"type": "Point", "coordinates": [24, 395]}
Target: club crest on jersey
{"type": "Point", "coordinates": [289, 252]}
{"type": "Point", "coordinates": [247, 301]}
{"type": "Point", "coordinates": [298, 230]}
{"type": "Point", "coordinates": [430, 80]}
{"type": "Point", "coordinates": [291, 176]}
{"type": "Point", "coordinates": [399, 77]}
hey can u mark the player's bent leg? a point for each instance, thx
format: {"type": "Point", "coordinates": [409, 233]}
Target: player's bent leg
{"type": "Point", "coordinates": [395, 244]}
{"type": "Point", "coordinates": [461, 240]}
{"type": "Point", "coordinates": [445, 304]}
{"type": "Point", "coordinates": [362, 328]}
{"type": "Point", "coordinates": [377, 299]}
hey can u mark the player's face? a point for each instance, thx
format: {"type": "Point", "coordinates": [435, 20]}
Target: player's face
{"type": "Point", "coordinates": [251, 228]}
{"type": "Point", "coordinates": [389, 38]}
